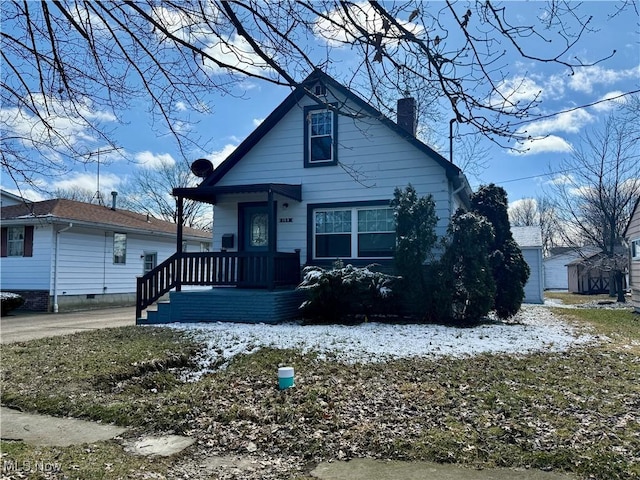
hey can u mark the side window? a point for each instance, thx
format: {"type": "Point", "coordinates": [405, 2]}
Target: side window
{"type": "Point", "coordinates": [320, 137]}
{"type": "Point", "coordinates": [120, 248]}
{"type": "Point", "coordinates": [15, 242]}
{"type": "Point", "coordinates": [635, 249]}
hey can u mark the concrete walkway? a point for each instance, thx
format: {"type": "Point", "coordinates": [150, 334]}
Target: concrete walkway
{"type": "Point", "coordinates": [367, 469]}
{"type": "Point", "coordinates": [22, 327]}
{"type": "Point", "coordinates": [37, 429]}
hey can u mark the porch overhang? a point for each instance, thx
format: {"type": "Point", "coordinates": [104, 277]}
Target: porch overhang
{"type": "Point", "coordinates": [210, 194]}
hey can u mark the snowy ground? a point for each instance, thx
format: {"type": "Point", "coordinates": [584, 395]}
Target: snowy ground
{"type": "Point", "coordinates": [534, 328]}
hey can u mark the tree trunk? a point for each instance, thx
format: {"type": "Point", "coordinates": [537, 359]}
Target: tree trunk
{"type": "Point", "coordinates": [619, 288]}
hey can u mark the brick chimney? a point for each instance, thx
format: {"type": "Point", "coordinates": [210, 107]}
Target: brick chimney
{"type": "Point", "coordinates": [406, 113]}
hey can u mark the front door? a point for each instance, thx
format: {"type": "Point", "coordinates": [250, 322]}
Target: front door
{"type": "Point", "coordinates": [255, 231]}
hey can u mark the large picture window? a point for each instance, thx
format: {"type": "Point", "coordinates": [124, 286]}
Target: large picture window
{"type": "Point", "coordinates": [320, 133]}
{"type": "Point", "coordinates": [353, 232]}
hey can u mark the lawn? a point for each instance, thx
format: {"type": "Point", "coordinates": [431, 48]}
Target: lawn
{"type": "Point", "coordinates": [566, 411]}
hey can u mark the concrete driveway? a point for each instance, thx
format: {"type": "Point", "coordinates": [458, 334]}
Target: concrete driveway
{"type": "Point", "coordinates": [21, 327]}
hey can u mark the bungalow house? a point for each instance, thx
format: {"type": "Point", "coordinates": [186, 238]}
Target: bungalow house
{"type": "Point", "coordinates": [632, 235]}
{"type": "Point", "coordinates": [310, 185]}
{"type": "Point", "coordinates": [62, 254]}
{"type": "Point", "coordinates": [529, 239]}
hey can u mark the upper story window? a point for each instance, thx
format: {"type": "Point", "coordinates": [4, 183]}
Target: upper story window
{"type": "Point", "coordinates": [17, 241]}
{"type": "Point", "coordinates": [120, 248]}
{"type": "Point", "coordinates": [320, 132]}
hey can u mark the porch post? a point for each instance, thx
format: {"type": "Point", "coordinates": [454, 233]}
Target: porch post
{"type": "Point", "coordinates": [180, 205]}
{"type": "Point", "coordinates": [271, 232]}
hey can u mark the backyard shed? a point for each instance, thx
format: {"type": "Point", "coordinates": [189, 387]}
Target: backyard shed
{"type": "Point", "coordinates": [529, 239]}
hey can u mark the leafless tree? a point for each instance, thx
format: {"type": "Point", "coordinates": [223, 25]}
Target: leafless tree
{"type": "Point", "coordinates": [149, 191]}
{"type": "Point", "coordinates": [595, 199]}
{"type": "Point", "coordinates": [68, 67]}
{"type": "Point", "coordinates": [80, 194]}
{"type": "Point", "coordinates": [524, 213]}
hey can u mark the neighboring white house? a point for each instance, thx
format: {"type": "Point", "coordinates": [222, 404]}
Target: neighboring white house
{"type": "Point", "coordinates": [317, 177]}
{"type": "Point", "coordinates": [529, 239]}
{"type": "Point", "coordinates": [556, 276]}
{"type": "Point", "coordinates": [63, 254]}
{"type": "Point", "coordinates": [8, 198]}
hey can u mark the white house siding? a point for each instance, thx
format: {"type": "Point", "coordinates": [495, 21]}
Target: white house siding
{"type": "Point", "coordinates": [30, 273]}
{"type": "Point", "coordinates": [633, 234]}
{"type": "Point", "coordinates": [86, 261]}
{"type": "Point", "coordinates": [533, 290]}
{"type": "Point", "coordinates": [555, 271]}
{"type": "Point", "coordinates": [374, 160]}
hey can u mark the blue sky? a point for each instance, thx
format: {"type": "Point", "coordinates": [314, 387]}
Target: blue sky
{"type": "Point", "coordinates": [521, 174]}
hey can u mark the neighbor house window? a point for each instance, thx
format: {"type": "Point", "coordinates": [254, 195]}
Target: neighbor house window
{"type": "Point", "coordinates": [635, 249]}
{"type": "Point", "coordinates": [205, 246]}
{"type": "Point", "coordinates": [354, 232]}
{"type": "Point", "coordinates": [15, 241]}
{"type": "Point", "coordinates": [320, 136]}
{"type": "Point", "coordinates": [120, 248]}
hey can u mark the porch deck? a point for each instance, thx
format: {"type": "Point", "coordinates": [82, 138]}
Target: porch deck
{"type": "Point", "coordinates": [256, 274]}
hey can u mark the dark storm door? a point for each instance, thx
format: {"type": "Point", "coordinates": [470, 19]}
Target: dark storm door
{"type": "Point", "coordinates": [254, 242]}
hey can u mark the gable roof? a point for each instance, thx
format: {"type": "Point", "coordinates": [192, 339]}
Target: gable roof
{"type": "Point", "coordinates": [62, 210]}
{"type": "Point", "coordinates": [453, 172]}
{"type": "Point", "coordinates": [527, 236]}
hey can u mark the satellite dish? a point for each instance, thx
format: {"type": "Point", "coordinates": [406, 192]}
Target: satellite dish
{"type": "Point", "coordinates": [202, 168]}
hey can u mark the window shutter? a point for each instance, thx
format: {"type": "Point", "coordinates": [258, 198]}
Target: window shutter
{"type": "Point", "coordinates": [3, 243]}
{"type": "Point", "coordinates": [28, 241]}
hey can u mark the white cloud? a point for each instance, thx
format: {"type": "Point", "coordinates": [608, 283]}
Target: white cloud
{"type": "Point", "coordinates": [219, 156]}
{"type": "Point", "coordinates": [570, 122]}
{"type": "Point", "coordinates": [561, 179]}
{"type": "Point", "coordinates": [88, 181]}
{"type": "Point", "coordinates": [237, 53]}
{"type": "Point", "coordinates": [585, 79]}
{"type": "Point", "coordinates": [361, 15]}
{"type": "Point", "coordinates": [181, 106]}
{"type": "Point", "coordinates": [609, 101]}
{"type": "Point", "coordinates": [151, 160]}
{"type": "Point", "coordinates": [517, 90]}
{"type": "Point", "coordinates": [257, 121]}
{"type": "Point", "coordinates": [548, 144]}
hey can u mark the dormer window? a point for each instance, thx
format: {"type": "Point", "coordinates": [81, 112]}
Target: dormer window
{"type": "Point", "coordinates": [320, 136]}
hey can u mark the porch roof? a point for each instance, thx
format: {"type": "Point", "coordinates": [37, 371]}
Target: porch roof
{"type": "Point", "coordinates": [210, 194]}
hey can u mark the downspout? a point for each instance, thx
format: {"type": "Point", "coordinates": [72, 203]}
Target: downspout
{"type": "Point", "coordinates": [55, 268]}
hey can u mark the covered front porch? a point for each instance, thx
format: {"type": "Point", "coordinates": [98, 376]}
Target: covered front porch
{"type": "Point", "coordinates": [248, 261]}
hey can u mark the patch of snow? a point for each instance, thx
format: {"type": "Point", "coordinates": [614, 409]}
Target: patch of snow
{"type": "Point", "coordinates": [534, 328]}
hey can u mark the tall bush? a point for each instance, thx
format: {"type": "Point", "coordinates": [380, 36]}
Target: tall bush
{"type": "Point", "coordinates": [509, 269]}
{"type": "Point", "coordinates": [463, 288]}
{"type": "Point", "coordinates": [415, 237]}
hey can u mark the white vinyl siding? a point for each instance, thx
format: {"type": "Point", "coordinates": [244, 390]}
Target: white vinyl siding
{"type": "Point", "coordinates": [30, 273]}
{"type": "Point", "coordinates": [373, 161]}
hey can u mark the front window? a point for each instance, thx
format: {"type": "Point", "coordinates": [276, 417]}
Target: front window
{"type": "Point", "coordinates": [358, 232]}
{"type": "Point", "coordinates": [120, 248]}
{"type": "Point", "coordinates": [320, 136]}
{"type": "Point", "coordinates": [15, 241]}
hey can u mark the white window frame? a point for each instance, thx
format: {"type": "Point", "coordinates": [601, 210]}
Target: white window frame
{"type": "Point", "coordinates": [15, 246]}
{"type": "Point", "coordinates": [116, 256]}
{"type": "Point", "coordinates": [635, 249]}
{"type": "Point", "coordinates": [354, 231]}
{"type": "Point", "coordinates": [327, 114]}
